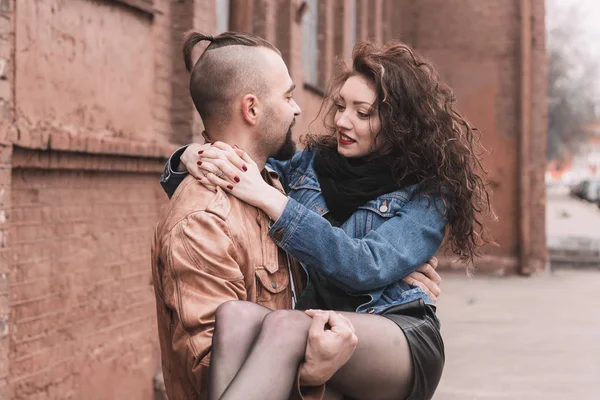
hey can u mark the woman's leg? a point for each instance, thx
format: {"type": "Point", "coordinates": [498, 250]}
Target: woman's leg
{"type": "Point", "coordinates": [380, 368]}
{"type": "Point", "coordinates": [270, 370]}
{"type": "Point", "coordinates": [237, 324]}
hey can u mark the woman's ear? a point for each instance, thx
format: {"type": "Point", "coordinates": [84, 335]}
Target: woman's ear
{"type": "Point", "coordinates": [250, 109]}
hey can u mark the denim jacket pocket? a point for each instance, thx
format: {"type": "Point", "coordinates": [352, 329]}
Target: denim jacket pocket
{"type": "Point", "coordinates": [374, 213]}
{"type": "Point", "coordinates": [386, 206]}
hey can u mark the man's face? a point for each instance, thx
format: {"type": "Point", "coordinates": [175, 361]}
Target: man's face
{"type": "Point", "coordinates": [280, 111]}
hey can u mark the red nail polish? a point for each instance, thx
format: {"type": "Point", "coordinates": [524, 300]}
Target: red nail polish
{"type": "Point", "coordinates": [244, 168]}
{"type": "Point", "coordinates": [237, 179]}
{"type": "Point", "coordinates": [199, 163]}
{"type": "Point", "coordinates": [230, 187]}
{"type": "Point", "coordinates": [201, 151]}
{"type": "Point", "coordinates": [212, 144]}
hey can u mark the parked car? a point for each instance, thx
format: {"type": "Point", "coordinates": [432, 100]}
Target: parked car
{"type": "Point", "coordinates": [592, 191]}
{"type": "Point", "coordinates": [578, 189]}
{"type": "Point", "coordinates": [588, 189]}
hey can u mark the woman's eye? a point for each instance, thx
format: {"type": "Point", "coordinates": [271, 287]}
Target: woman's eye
{"type": "Point", "coordinates": [340, 107]}
{"type": "Point", "coordinates": [363, 115]}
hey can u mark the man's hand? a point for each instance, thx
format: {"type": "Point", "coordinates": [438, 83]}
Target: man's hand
{"type": "Point", "coordinates": [331, 343]}
{"type": "Point", "coordinates": [427, 279]}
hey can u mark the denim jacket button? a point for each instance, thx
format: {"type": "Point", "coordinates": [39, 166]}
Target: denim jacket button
{"type": "Point", "coordinates": [278, 234]}
{"type": "Point", "coordinates": [383, 208]}
{"type": "Point", "coordinates": [274, 284]}
{"type": "Point", "coordinates": [371, 310]}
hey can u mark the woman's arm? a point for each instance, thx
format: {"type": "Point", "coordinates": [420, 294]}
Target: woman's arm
{"type": "Point", "coordinates": [387, 254]}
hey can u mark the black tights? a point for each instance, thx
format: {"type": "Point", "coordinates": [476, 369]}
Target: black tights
{"type": "Point", "coordinates": [256, 353]}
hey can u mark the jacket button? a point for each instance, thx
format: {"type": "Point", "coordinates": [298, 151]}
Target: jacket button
{"type": "Point", "coordinates": [383, 208]}
{"type": "Point", "coordinates": [278, 234]}
{"type": "Point", "coordinates": [371, 310]}
{"type": "Point", "coordinates": [274, 284]}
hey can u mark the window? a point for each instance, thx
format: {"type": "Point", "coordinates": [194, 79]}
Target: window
{"type": "Point", "coordinates": [310, 48]}
{"type": "Point", "coordinates": [222, 16]}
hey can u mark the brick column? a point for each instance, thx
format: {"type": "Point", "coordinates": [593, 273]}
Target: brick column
{"type": "Point", "coordinates": [240, 16]}
{"type": "Point", "coordinates": [6, 119]}
{"type": "Point", "coordinates": [363, 10]}
{"type": "Point", "coordinates": [538, 257]}
{"type": "Point", "coordinates": [326, 37]}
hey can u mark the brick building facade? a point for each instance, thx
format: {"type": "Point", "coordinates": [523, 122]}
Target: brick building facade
{"type": "Point", "coordinates": [93, 97]}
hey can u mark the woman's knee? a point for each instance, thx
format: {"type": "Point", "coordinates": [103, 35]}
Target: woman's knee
{"type": "Point", "coordinates": [286, 327]}
{"type": "Point", "coordinates": [234, 318]}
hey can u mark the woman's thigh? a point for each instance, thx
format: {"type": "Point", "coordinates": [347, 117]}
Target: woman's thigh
{"type": "Point", "coordinates": [381, 366]}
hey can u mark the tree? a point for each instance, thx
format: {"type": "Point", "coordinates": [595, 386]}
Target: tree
{"type": "Point", "coordinates": [572, 79]}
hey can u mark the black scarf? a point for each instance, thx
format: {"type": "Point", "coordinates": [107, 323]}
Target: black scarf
{"type": "Point", "coordinates": [348, 183]}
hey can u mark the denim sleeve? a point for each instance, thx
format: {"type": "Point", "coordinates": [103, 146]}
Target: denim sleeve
{"type": "Point", "coordinates": [385, 255]}
{"type": "Point", "coordinates": [170, 178]}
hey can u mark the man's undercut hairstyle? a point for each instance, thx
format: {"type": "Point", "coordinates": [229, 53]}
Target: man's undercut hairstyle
{"type": "Point", "coordinates": [228, 67]}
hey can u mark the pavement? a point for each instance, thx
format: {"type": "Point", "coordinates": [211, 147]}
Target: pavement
{"type": "Point", "coordinates": [527, 338]}
{"type": "Point", "coordinates": [521, 338]}
{"type": "Point", "coordinates": [567, 216]}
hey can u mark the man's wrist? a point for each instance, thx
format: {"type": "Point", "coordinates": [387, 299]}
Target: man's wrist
{"type": "Point", "coordinates": [309, 378]}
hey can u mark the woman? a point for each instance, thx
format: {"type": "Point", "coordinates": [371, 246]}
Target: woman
{"type": "Point", "coordinates": [395, 174]}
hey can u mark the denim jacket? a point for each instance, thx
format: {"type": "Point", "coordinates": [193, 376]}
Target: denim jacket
{"type": "Point", "coordinates": [382, 242]}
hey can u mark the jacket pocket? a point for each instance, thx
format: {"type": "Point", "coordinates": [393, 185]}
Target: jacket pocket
{"type": "Point", "coordinates": [272, 288]}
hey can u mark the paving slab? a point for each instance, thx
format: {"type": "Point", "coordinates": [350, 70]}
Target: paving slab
{"type": "Point", "coordinates": [519, 338]}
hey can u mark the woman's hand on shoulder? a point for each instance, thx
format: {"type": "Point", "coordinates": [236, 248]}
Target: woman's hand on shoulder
{"type": "Point", "coordinates": [234, 171]}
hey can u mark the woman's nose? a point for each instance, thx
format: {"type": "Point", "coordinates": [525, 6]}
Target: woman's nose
{"type": "Point", "coordinates": [343, 121]}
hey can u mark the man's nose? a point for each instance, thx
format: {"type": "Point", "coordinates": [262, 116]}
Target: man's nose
{"type": "Point", "coordinates": [297, 110]}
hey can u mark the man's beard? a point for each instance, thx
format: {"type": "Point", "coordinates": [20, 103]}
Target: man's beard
{"type": "Point", "coordinates": [288, 148]}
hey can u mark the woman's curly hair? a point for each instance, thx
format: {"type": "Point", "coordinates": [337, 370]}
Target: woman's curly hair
{"type": "Point", "coordinates": [431, 140]}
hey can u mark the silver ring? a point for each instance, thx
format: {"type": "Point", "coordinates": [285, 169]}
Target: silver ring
{"type": "Point", "coordinates": [220, 174]}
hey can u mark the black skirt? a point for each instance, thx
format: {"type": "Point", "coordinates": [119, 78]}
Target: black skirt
{"type": "Point", "coordinates": [422, 330]}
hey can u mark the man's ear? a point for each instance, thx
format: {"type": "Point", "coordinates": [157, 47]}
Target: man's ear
{"type": "Point", "coordinates": [251, 109]}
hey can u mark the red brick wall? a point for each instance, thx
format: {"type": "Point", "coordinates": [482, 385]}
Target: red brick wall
{"type": "Point", "coordinates": [79, 164]}
{"type": "Point", "coordinates": [87, 65]}
{"type": "Point", "coordinates": [82, 308]}
{"type": "Point", "coordinates": [6, 117]}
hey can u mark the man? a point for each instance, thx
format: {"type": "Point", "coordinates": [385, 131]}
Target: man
{"type": "Point", "coordinates": [209, 247]}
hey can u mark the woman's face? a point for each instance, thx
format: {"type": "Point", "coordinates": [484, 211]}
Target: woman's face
{"type": "Point", "coordinates": [356, 118]}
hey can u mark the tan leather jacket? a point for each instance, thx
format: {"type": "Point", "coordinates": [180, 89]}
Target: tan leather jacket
{"type": "Point", "coordinates": [209, 248]}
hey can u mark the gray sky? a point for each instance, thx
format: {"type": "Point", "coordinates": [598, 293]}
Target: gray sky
{"type": "Point", "coordinates": [584, 15]}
